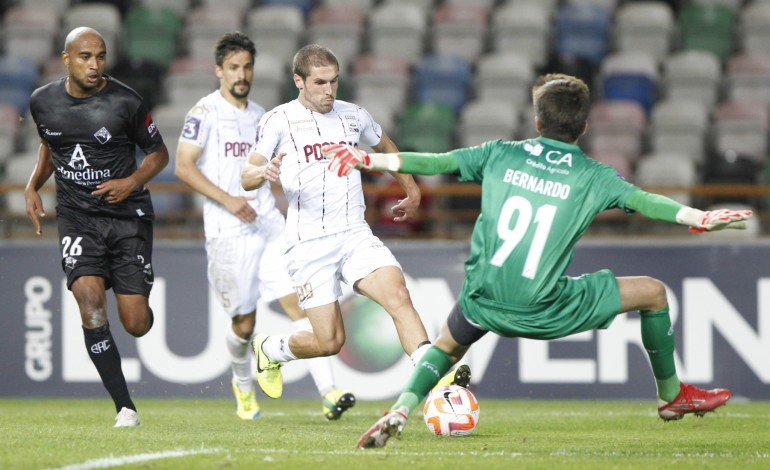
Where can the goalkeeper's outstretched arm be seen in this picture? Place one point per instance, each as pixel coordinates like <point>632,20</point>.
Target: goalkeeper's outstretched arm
<point>656,206</point>
<point>345,158</point>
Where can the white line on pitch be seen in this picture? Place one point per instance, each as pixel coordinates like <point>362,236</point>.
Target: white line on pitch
<point>108,462</point>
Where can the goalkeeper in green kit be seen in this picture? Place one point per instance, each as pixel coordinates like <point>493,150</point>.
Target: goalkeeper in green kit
<point>538,198</point>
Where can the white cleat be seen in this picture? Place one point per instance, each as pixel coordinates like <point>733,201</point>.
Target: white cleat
<point>127,418</point>
<point>386,427</point>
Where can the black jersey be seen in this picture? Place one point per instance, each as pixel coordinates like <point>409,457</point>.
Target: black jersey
<point>93,140</point>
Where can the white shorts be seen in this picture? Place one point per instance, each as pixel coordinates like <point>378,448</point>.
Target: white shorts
<point>245,268</point>
<point>317,266</point>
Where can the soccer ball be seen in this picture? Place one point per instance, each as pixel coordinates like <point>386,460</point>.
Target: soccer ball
<point>451,411</point>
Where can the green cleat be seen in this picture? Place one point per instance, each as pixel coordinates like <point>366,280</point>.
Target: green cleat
<point>269,375</point>
<point>337,402</point>
<point>246,406</point>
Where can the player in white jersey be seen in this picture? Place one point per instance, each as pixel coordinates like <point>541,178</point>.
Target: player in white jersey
<point>329,239</point>
<point>243,229</point>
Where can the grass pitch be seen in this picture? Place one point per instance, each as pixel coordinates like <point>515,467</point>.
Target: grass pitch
<point>191,434</point>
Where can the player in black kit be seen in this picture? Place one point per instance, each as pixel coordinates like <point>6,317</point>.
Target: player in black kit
<point>90,125</point>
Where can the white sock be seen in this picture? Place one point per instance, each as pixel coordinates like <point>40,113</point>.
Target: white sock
<point>417,354</point>
<point>240,360</point>
<point>276,347</point>
<point>320,367</point>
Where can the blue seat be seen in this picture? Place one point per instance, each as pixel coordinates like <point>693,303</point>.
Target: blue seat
<point>583,30</point>
<point>630,86</point>
<point>18,79</point>
<point>442,79</point>
<point>304,5</point>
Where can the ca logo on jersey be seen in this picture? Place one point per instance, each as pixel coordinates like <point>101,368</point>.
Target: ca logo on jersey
<point>78,160</point>
<point>103,135</point>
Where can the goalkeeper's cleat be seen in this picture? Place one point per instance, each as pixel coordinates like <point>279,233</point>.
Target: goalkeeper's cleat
<point>461,376</point>
<point>127,418</point>
<point>337,402</point>
<point>246,406</point>
<point>692,399</point>
<point>386,427</point>
<point>269,375</point>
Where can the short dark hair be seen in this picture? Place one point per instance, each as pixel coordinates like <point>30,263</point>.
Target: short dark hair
<point>312,55</point>
<point>562,103</point>
<point>233,42</point>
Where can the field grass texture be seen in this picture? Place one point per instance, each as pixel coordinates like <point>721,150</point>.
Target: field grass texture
<point>191,434</point>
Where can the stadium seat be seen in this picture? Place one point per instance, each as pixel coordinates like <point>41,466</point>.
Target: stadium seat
<point>59,6</point>
<point>363,5</point>
<point>169,118</point>
<point>730,167</point>
<point>549,5</point>
<point>707,27</point>
<point>426,127</point>
<point>104,17</point>
<point>269,79</point>
<point>574,65</point>
<point>9,126</point>
<point>693,75</point>
<point>30,32</point>
<point>616,126</point>
<point>742,126</point>
<point>383,79</point>
<point>524,28</point>
<point>143,76</point>
<point>680,126</point>
<point>505,76</point>
<point>442,79</point>
<point>190,78</point>
<point>276,30</point>
<point>382,112</point>
<point>206,24</point>
<point>398,29</point>
<point>609,5</point>
<point>425,5</point>
<point>304,5</point>
<point>582,30</point>
<point>18,78</point>
<point>459,30</point>
<point>667,169</point>
<point>241,5</point>
<point>487,119</point>
<point>748,77</point>
<point>152,34</point>
<point>18,168</point>
<point>646,27</point>
<point>340,28</point>
<point>755,28</point>
<point>180,7</point>
<point>630,76</point>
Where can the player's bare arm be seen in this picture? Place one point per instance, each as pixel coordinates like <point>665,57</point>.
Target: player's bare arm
<point>117,190</point>
<point>407,208</point>
<point>43,170</point>
<point>187,171</point>
<point>257,170</point>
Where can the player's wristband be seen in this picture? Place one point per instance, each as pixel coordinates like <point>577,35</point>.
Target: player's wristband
<point>385,161</point>
<point>689,216</point>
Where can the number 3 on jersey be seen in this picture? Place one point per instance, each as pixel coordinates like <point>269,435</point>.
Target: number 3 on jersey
<point>512,236</point>
<point>71,248</point>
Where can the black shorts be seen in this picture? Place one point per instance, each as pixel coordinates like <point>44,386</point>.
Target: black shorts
<point>463,331</point>
<point>118,250</point>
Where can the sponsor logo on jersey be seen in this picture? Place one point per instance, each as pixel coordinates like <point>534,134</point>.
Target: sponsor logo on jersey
<point>534,150</point>
<point>351,124</point>
<point>139,212</point>
<point>81,171</point>
<point>103,135</point>
<point>51,133</point>
<point>152,129</point>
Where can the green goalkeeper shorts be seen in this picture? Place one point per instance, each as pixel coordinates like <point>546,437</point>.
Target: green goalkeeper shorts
<point>583,303</point>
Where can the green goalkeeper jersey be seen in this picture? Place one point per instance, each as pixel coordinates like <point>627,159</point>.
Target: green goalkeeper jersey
<point>538,198</point>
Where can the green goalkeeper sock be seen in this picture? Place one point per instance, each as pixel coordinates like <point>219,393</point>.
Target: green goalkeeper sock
<point>432,366</point>
<point>658,339</point>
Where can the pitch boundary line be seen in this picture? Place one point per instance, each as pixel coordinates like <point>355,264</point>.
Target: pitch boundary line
<point>108,462</point>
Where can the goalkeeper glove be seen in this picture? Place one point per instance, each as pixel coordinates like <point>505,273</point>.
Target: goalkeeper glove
<point>344,158</point>
<point>711,221</point>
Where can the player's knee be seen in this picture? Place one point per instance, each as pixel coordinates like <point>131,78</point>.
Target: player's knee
<point>243,326</point>
<point>658,299</point>
<point>330,347</point>
<point>139,325</point>
<point>397,299</point>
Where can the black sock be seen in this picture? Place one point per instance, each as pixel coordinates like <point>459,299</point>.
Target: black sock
<point>104,354</point>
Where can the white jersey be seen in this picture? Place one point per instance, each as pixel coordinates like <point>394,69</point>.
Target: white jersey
<point>320,203</point>
<point>226,134</point>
